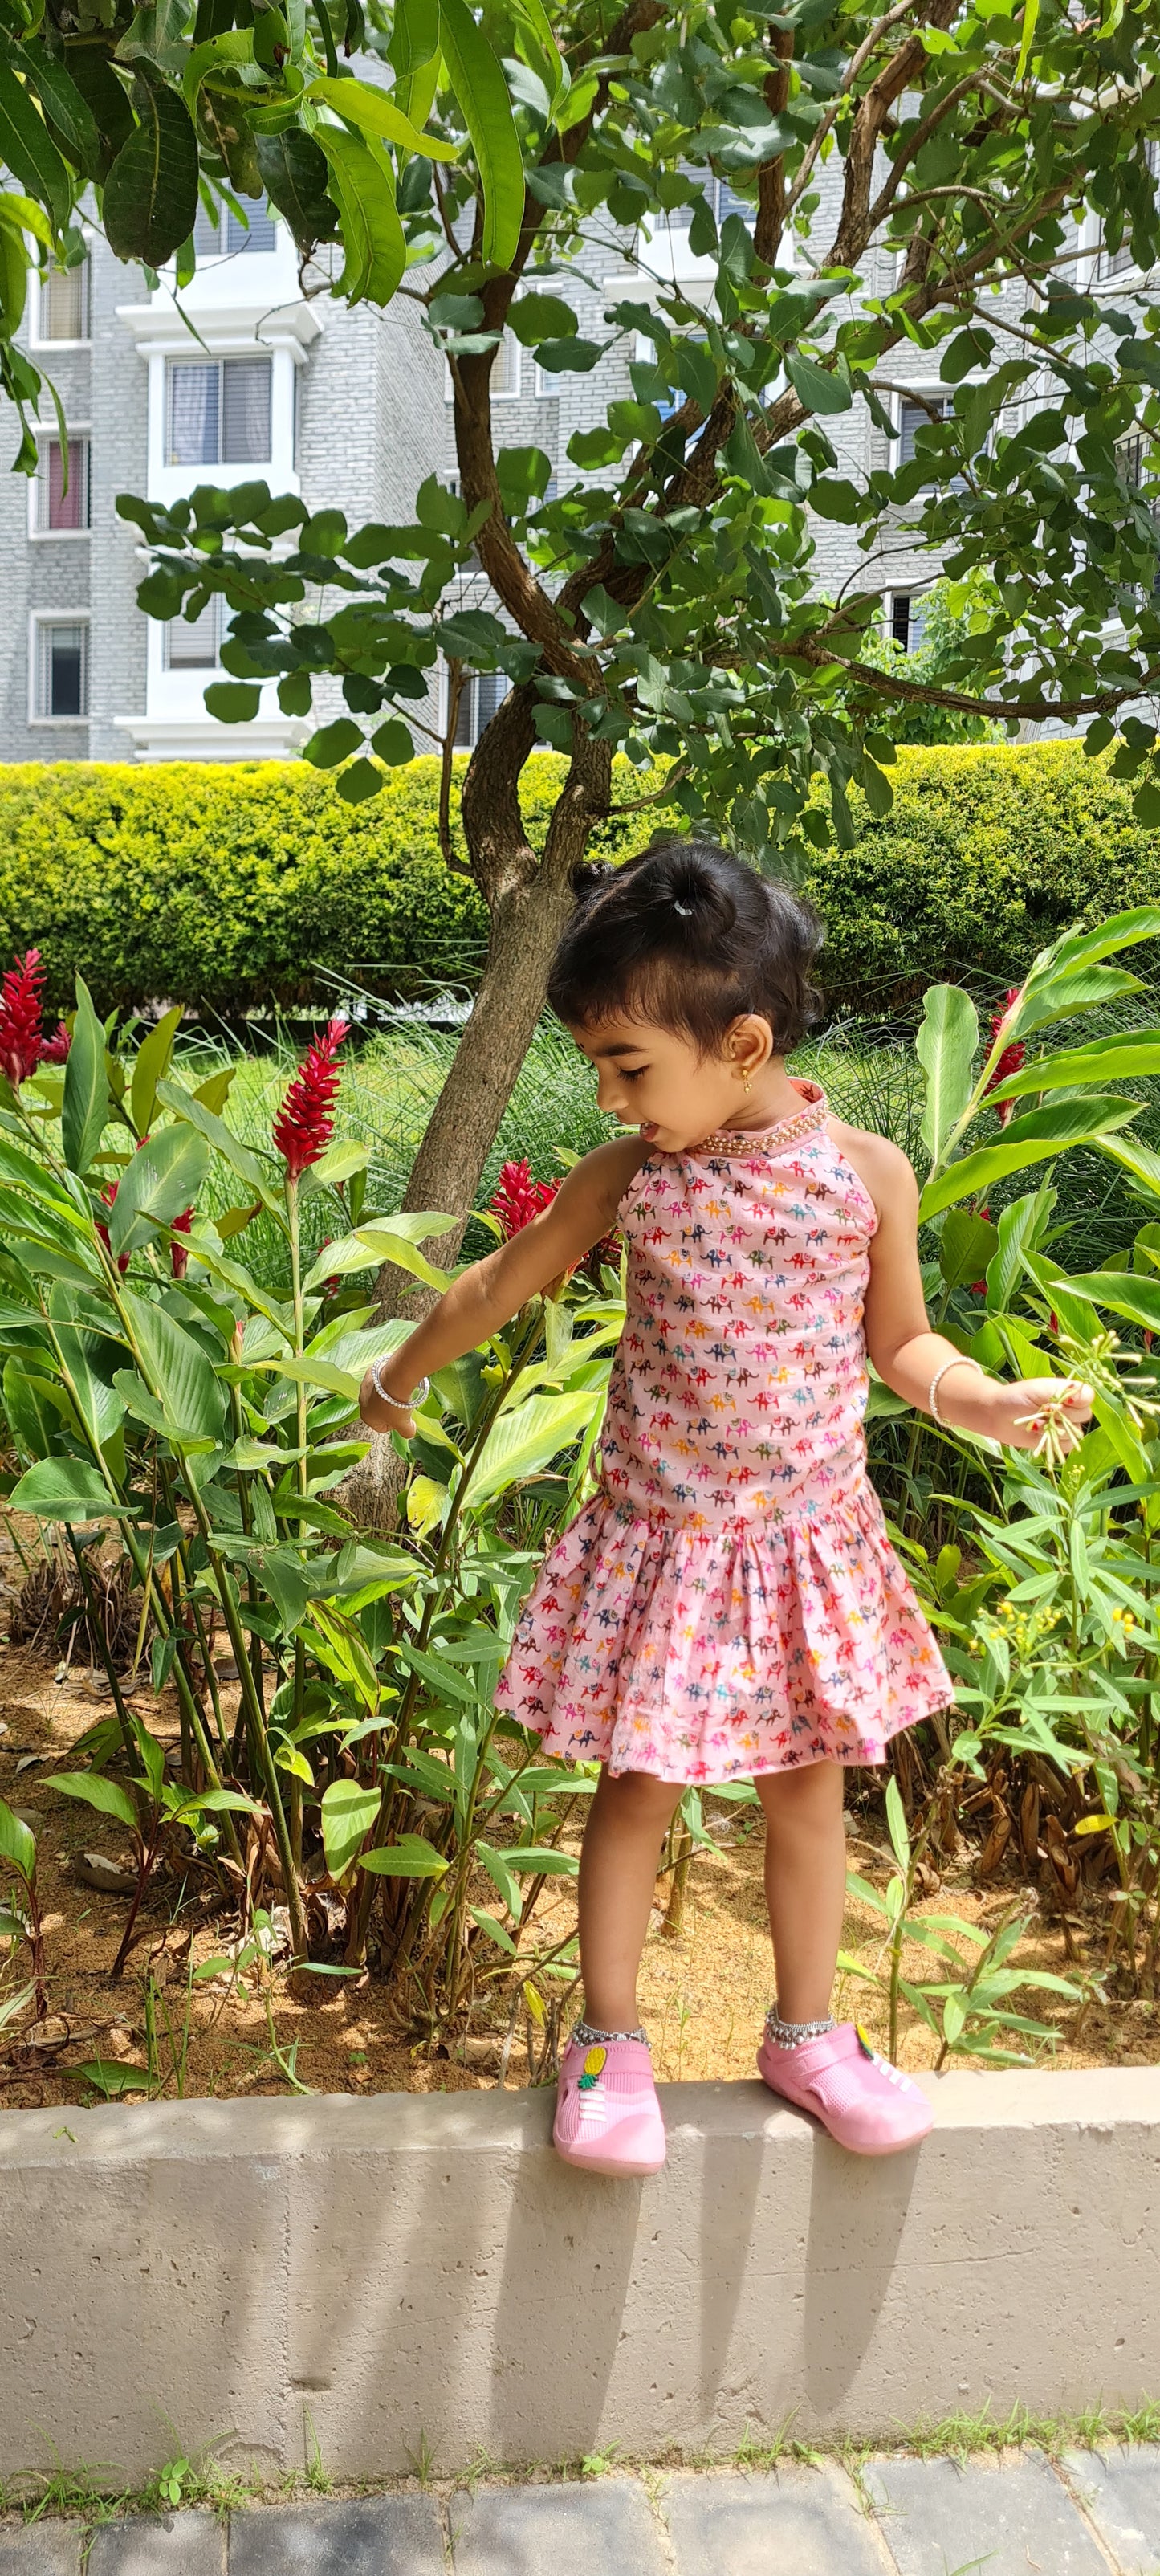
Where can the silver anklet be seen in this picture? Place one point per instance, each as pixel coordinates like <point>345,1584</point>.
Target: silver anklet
<point>586,2035</point>
<point>794,2034</point>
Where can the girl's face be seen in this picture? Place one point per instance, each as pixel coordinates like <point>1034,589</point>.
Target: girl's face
<point>656,1080</point>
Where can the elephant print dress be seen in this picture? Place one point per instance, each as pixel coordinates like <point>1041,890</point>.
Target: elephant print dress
<point>729,1603</point>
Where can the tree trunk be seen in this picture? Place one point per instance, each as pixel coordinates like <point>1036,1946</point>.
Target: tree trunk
<point>530,902</point>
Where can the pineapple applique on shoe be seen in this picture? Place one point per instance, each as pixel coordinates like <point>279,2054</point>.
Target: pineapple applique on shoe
<point>867,2104</point>
<point>608,2119</point>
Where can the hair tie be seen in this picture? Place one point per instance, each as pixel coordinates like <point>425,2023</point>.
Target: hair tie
<point>685,909</point>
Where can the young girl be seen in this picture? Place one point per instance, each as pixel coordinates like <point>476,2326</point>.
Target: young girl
<point>729,1606</point>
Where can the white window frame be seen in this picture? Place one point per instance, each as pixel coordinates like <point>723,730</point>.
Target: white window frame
<point>200,673</point>
<point>34,338</point>
<point>38,620</point>
<point>499,393</point>
<point>47,433</point>
<point>913,593</point>
<point>239,466</point>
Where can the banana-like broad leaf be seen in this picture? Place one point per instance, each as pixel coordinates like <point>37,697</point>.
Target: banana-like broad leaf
<point>523,1441</point>
<point>1129,1058</point>
<point>85,1106</point>
<point>396,1240</point>
<point>151,1066</point>
<point>162,1180</point>
<point>17,1843</point>
<point>348,1812</point>
<point>412,1856</point>
<point>1027,1140</point>
<point>1021,1227</point>
<point>966,1245</point>
<point>945,1047</point>
<point>1046,992</point>
<point>1123,1292</point>
<point>107,1796</point>
<point>255,1174</point>
<point>65,1489</point>
<point>91,1364</point>
<point>176,1370</point>
<point>33,1406</point>
<point>486,108</point>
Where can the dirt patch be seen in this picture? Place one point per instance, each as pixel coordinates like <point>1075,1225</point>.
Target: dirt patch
<point>703,1994</point>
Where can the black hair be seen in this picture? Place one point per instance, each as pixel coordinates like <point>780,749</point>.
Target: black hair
<point>691,938</point>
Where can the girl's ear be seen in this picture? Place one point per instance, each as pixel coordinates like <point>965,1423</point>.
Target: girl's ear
<point>749,1043</point>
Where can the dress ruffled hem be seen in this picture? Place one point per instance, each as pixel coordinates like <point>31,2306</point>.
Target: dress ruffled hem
<point>716,1653</point>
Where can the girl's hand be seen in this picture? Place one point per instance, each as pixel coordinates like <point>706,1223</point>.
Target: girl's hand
<point>1026,1414</point>
<point>385,1417</point>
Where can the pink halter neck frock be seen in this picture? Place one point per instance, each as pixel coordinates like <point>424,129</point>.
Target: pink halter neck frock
<point>729,1603</point>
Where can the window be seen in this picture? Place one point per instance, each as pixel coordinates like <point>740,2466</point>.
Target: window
<point>63,310</point>
<point>720,197</point>
<point>1109,263</point>
<point>505,371</point>
<point>195,646</point>
<point>912,417</point>
<point>908,619</point>
<point>61,667</point>
<point>223,234</point>
<point>62,501</point>
<point>483,692</point>
<point>217,413</point>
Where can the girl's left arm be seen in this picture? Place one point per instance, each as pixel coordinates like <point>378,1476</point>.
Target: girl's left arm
<point>904,1350</point>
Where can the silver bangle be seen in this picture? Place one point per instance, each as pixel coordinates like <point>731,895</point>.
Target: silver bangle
<point>961,1360</point>
<point>402,1404</point>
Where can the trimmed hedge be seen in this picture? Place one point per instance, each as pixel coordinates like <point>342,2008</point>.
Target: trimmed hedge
<point>230,885</point>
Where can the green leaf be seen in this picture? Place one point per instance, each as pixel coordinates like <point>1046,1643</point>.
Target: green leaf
<point>294,176</point>
<point>33,1406</point>
<point>945,1047</point>
<point>256,1175</point>
<point>1021,1226</point>
<point>151,1067</point>
<point>348,1812</point>
<point>85,1106</point>
<point>176,1371</point>
<point>362,184</point>
<point>1131,1057</point>
<point>17,1844</point>
<point>150,199</point>
<point>107,1796</point>
<point>332,743</point>
<point>541,317</point>
<point>27,148</point>
<point>966,1245</point>
<point>542,1858</point>
<point>232,701</point>
<point>374,112</point>
<point>1026,1140</point>
<point>485,106</point>
<point>110,2077</point>
<point>162,1180</point>
<point>525,1439</point>
<point>64,1489</point>
<point>69,109</point>
<point>411,1856</point>
<point>393,743</point>
<point>397,1240</point>
<point>817,389</point>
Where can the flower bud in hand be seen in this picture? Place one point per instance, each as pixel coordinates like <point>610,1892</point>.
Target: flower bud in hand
<point>1047,1415</point>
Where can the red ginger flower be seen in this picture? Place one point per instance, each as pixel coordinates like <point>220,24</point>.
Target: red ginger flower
<point>54,1050</point>
<point>21,1043</point>
<point>108,1199</point>
<point>179,1252</point>
<point>1012,1058</point>
<point>517,1198</point>
<point>305,1122</point>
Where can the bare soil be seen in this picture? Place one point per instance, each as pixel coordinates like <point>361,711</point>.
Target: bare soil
<point>703,1993</point>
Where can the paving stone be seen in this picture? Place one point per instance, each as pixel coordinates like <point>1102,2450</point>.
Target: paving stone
<point>40,2549</point>
<point>1013,2518</point>
<point>379,2536</point>
<point>1121,2490</point>
<point>160,2544</point>
<point>786,2522</point>
<point>605,2528</point>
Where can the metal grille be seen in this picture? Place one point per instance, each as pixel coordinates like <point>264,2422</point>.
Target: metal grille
<point>62,669</point>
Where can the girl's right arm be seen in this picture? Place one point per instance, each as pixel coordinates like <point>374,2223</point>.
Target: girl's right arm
<point>487,1295</point>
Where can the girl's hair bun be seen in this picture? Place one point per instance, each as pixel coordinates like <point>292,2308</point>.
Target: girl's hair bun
<point>588,877</point>
<point>697,897</point>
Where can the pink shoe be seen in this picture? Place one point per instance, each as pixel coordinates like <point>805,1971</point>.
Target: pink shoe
<point>608,2118</point>
<point>868,2105</point>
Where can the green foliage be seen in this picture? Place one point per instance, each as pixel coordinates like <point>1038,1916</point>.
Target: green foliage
<point>232,888</point>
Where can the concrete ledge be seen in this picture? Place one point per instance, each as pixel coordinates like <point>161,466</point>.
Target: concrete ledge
<point>420,2267</point>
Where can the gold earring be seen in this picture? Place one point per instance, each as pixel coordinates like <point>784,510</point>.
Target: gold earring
<point>747,1084</point>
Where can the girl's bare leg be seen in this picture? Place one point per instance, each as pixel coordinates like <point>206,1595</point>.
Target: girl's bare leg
<point>626,1826</point>
<point>805,1883</point>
